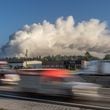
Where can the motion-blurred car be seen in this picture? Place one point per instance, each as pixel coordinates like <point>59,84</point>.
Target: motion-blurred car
<point>56,82</point>
<point>10,79</point>
<point>8,76</point>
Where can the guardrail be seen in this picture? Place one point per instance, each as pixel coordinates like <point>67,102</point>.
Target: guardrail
<point>77,105</point>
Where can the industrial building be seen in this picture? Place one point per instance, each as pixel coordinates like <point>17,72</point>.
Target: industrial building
<point>25,64</point>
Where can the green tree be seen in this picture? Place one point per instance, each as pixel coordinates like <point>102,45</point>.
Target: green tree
<point>107,57</point>
<point>87,55</point>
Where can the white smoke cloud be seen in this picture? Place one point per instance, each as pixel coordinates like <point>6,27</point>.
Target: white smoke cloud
<point>65,37</point>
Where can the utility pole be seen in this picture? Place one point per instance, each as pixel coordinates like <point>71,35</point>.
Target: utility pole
<point>26,56</point>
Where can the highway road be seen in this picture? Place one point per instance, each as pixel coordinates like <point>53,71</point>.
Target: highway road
<point>15,104</point>
<point>12,92</point>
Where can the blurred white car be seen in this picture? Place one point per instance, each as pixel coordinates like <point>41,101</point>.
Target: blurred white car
<point>10,79</point>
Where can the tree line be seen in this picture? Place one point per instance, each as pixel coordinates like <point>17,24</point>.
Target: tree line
<point>87,56</point>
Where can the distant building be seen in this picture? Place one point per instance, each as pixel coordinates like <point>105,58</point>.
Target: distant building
<point>68,64</point>
<point>53,64</point>
<point>25,64</point>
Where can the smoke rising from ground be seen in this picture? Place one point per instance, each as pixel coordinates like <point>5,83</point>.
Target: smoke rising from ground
<point>65,37</point>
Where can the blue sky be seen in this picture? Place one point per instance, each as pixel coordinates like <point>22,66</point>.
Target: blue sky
<point>16,13</point>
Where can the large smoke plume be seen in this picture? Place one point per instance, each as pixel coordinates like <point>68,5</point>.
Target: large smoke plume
<point>65,37</point>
